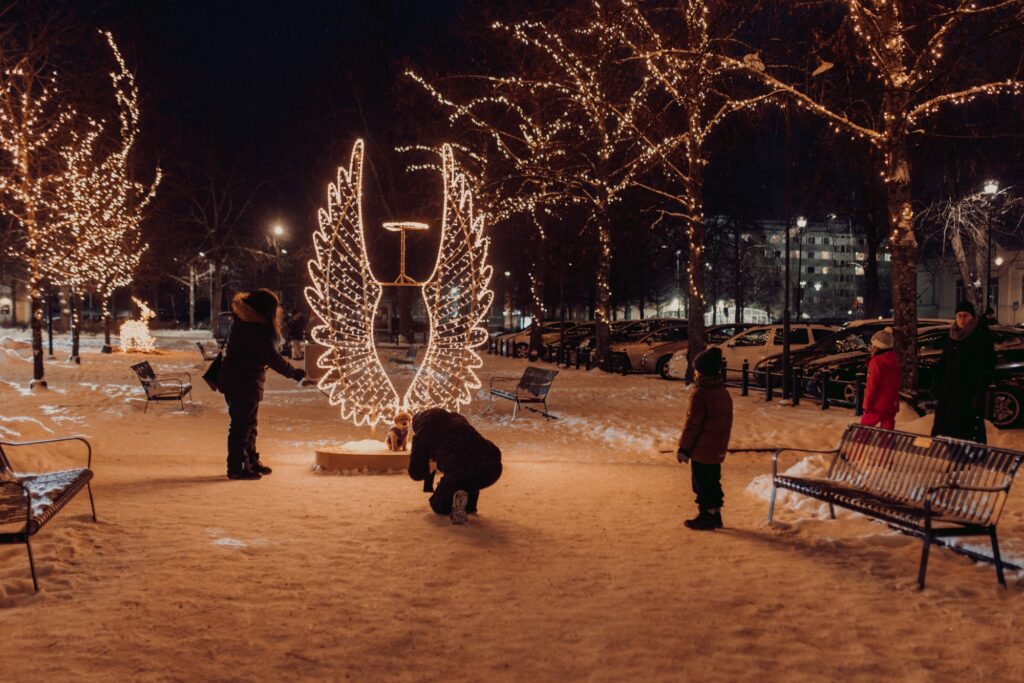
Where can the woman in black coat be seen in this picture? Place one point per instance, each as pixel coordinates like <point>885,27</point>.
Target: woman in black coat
<point>963,377</point>
<point>252,347</point>
<point>468,461</point>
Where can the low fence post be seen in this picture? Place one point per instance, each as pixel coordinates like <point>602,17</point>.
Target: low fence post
<point>798,385</point>
<point>625,364</point>
<point>588,359</point>
<point>858,395</point>
<point>578,352</point>
<point>745,378</point>
<point>769,390</point>
<point>826,389</point>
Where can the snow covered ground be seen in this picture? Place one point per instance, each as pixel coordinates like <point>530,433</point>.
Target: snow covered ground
<point>578,566</point>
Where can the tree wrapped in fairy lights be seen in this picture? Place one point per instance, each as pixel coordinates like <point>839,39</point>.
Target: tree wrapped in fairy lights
<point>345,294</point>
<point>98,207</point>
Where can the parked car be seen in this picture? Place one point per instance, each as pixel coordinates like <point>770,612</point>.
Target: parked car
<point>631,330</point>
<point>855,337</point>
<point>626,355</point>
<point>1007,402</point>
<point>657,358</point>
<point>520,341</point>
<point>573,335</point>
<point>754,344</point>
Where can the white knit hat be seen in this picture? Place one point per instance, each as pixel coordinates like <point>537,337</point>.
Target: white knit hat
<point>882,339</point>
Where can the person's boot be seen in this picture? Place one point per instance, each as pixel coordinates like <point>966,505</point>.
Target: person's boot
<point>705,521</point>
<point>243,473</point>
<point>257,465</point>
<point>459,501</point>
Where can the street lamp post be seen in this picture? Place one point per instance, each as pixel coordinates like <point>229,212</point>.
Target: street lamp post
<point>801,223</point>
<point>275,233</point>
<point>991,188</point>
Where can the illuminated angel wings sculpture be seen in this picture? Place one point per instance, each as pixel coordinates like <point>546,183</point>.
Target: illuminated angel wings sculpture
<point>345,294</point>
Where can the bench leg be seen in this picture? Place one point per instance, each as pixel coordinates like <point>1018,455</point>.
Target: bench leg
<point>831,511</point>
<point>92,504</point>
<point>996,558</point>
<point>490,402</point>
<point>771,504</point>
<point>31,564</point>
<point>515,410</point>
<point>924,559</point>
<point>146,408</point>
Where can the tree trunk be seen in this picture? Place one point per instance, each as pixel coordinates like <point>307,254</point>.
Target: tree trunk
<point>218,293</point>
<point>191,297</point>
<point>694,202</point>
<point>602,314</point>
<point>37,328</point>
<point>963,266</point>
<point>14,301</point>
<point>904,263</point>
<point>537,299</point>
<point>76,325</point>
<point>106,302</point>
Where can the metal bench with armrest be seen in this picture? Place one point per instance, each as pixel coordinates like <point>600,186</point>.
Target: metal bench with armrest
<point>532,387</point>
<point>169,386</point>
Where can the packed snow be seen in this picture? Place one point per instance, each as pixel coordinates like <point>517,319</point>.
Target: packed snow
<point>577,567</point>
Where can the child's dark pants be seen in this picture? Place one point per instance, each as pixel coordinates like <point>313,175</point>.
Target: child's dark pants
<point>707,484</point>
<point>441,501</point>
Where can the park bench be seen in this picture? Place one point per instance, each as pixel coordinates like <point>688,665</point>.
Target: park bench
<point>407,358</point>
<point>32,500</point>
<point>932,488</point>
<point>532,387</point>
<point>165,387</point>
<point>208,355</point>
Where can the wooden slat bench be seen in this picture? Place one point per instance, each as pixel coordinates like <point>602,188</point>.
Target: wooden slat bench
<point>933,488</point>
<point>171,386</point>
<point>407,358</point>
<point>32,500</point>
<point>532,387</point>
<point>208,355</point>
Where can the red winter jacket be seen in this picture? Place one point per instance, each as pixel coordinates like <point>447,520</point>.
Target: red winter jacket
<point>883,391</point>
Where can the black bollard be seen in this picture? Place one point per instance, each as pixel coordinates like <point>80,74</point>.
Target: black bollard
<point>826,388</point>
<point>858,395</point>
<point>745,378</point>
<point>769,390</point>
<point>798,385</point>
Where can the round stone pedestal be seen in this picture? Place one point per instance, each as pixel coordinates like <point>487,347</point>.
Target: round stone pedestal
<point>371,456</point>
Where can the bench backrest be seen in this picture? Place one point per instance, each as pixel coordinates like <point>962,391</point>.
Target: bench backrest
<point>12,496</point>
<point>537,381</point>
<point>144,371</point>
<point>905,467</point>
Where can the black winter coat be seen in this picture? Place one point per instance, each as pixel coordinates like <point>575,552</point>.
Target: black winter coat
<point>449,440</point>
<point>961,385</point>
<point>251,348</point>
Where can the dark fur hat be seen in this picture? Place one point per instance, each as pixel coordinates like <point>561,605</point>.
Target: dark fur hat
<point>709,362</point>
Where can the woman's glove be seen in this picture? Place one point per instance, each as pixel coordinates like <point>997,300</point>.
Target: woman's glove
<point>683,455</point>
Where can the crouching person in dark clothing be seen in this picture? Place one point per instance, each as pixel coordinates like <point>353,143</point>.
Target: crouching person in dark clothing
<point>251,348</point>
<point>468,461</point>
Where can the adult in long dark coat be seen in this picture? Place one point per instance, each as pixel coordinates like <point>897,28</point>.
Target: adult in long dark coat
<point>251,348</point>
<point>468,461</point>
<point>963,377</point>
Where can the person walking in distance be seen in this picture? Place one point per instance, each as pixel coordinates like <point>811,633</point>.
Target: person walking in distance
<point>705,439</point>
<point>963,377</point>
<point>297,333</point>
<point>252,347</point>
<point>882,395</point>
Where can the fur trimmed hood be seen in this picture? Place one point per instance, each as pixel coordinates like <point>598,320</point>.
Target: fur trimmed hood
<point>246,312</point>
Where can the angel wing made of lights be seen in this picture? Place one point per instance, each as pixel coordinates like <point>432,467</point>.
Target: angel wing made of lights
<point>344,296</point>
<point>457,297</point>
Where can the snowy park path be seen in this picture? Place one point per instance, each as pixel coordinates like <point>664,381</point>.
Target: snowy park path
<point>577,567</point>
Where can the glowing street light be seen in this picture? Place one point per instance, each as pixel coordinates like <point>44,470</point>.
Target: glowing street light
<point>991,188</point>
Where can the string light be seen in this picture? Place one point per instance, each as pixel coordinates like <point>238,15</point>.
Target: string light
<point>135,336</point>
<point>345,295</point>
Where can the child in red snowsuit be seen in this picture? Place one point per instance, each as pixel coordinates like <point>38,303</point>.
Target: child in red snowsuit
<point>882,396</point>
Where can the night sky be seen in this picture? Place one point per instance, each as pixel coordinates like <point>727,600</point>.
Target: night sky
<point>283,89</point>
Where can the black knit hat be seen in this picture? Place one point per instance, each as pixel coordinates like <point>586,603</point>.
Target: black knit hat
<point>264,302</point>
<point>709,362</point>
<point>965,307</point>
